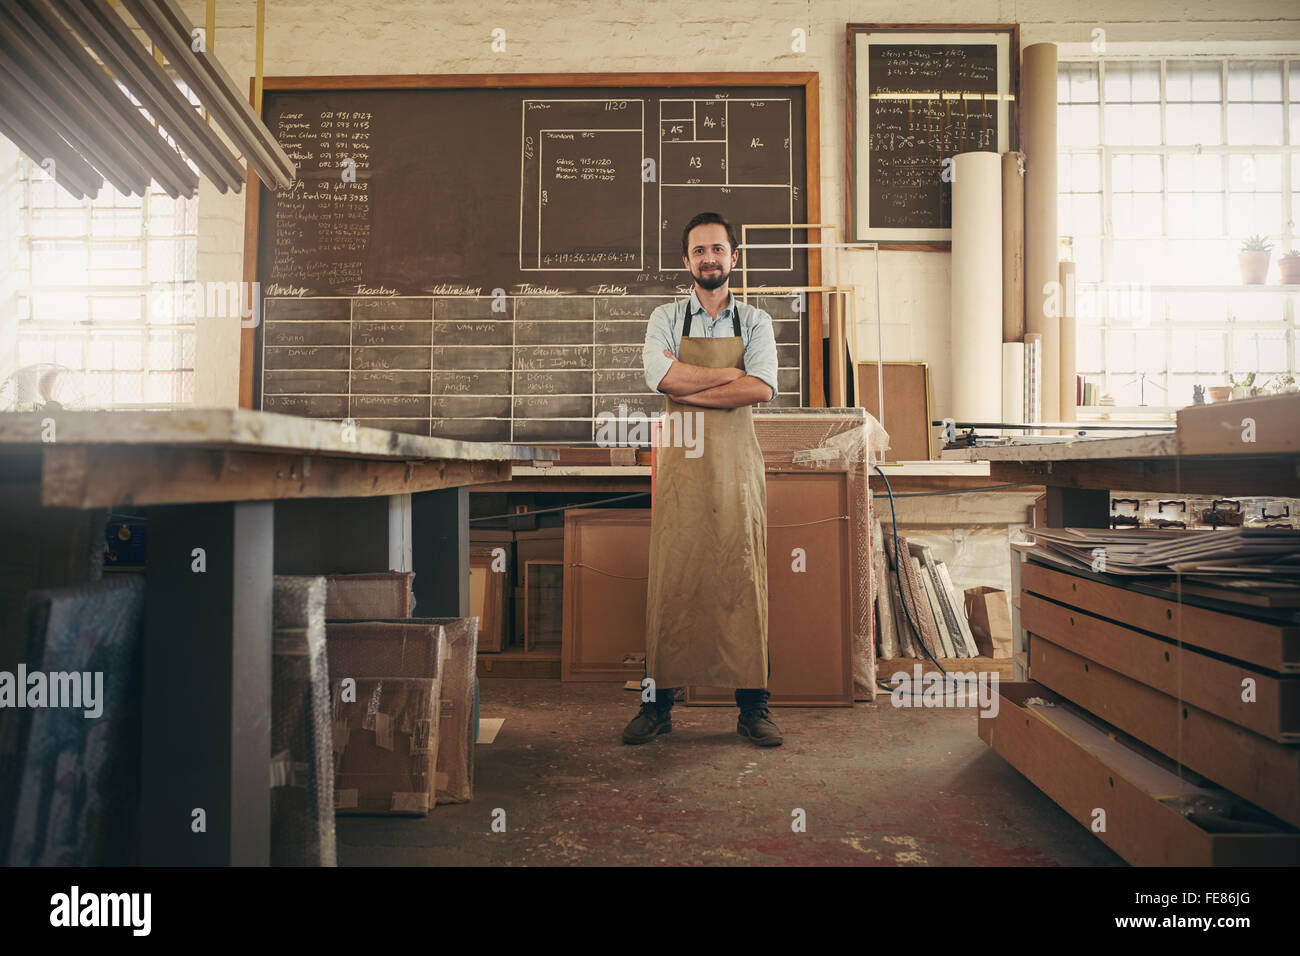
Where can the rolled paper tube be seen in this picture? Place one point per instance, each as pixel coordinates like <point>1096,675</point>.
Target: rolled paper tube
<point>1038,114</point>
<point>1013,247</point>
<point>977,287</point>
<point>1013,383</point>
<point>1068,331</point>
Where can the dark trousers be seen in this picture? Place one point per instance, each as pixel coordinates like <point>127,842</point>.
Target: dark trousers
<point>747,698</point>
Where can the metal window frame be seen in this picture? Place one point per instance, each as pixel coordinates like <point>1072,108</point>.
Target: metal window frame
<point>1105,152</point>
<point>34,326</point>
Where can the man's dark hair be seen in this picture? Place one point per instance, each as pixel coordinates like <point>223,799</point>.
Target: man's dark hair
<point>706,217</point>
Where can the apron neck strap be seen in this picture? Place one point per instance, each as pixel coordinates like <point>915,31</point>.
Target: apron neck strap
<point>735,318</point>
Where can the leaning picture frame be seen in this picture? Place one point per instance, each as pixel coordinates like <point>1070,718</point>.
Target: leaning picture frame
<point>919,94</point>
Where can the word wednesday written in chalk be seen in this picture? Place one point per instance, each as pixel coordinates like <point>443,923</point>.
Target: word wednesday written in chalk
<point>102,909</point>
<point>56,689</point>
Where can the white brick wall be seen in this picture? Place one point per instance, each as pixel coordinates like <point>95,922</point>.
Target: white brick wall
<point>323,37</point>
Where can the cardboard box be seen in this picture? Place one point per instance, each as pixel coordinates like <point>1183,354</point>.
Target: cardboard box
<point>386,596</point>
<point>990,620</point>
<point>384,649</point>
<point>385,745</point>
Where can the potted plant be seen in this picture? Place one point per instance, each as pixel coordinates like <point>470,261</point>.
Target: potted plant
<point>1289,266</point>
<point>1242,387</point>
<point>1253,259</point>
<point>1219,393</point>
<point>1282,383</point>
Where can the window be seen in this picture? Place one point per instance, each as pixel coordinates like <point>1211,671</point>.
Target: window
<point>93,294</point>
<point>1166,165</point>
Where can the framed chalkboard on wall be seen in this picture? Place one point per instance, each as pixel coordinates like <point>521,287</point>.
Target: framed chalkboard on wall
<point>477,257</point>
<point>919,94</point>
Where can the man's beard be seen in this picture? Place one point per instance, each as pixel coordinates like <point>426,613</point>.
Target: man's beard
<point>707,281</point>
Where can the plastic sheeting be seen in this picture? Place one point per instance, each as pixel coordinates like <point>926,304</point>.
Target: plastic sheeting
<point>70,784</point>
<point>844,440</point>
<point>302,769</point>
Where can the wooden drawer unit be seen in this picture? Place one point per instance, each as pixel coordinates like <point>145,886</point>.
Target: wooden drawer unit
<point>1210,683</point>
<point>1082,767</point>
<point>1272,647</point>
<point>1253,767</point>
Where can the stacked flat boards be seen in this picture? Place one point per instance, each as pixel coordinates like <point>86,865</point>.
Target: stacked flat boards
<point>480,263</point>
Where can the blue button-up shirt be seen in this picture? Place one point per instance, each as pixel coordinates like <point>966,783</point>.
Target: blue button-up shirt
<point>665,332</point>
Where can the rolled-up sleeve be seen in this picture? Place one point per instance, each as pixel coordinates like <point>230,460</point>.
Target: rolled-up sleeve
<point>760,350</point>
<point>658,336</point>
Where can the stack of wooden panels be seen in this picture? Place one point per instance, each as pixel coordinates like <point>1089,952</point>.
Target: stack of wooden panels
<point>1211,691</point>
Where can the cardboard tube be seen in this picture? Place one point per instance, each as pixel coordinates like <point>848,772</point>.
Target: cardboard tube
<point>1013,384</point>
<point>977,287</point>
<point>1069,393</point>
<point>839,396</point>
<point>1038,119</point>
<point>1033,377</point>
<point>1013,247</point>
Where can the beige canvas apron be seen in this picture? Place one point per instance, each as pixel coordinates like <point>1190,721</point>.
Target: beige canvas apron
<point>706,604</point>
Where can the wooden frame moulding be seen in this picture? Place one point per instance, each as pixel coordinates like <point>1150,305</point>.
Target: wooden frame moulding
<point>850,100</point>
<point>530,637</point>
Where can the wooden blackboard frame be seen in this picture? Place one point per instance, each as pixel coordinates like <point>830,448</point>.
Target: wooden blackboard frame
<point>851,105</point>
<point>812,146</point>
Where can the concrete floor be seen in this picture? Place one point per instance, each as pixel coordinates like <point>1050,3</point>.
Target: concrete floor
<point>879,785</point>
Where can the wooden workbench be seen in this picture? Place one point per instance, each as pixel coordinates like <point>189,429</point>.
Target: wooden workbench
<point>1249,447</point>
<point>211,480</point>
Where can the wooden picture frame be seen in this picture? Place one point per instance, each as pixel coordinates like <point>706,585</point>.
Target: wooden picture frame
<point>860,40</point>
<point>907,391</point>
<point>543,614</point>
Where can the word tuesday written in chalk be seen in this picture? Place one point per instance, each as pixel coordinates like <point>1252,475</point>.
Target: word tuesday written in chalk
<point>56,689</point>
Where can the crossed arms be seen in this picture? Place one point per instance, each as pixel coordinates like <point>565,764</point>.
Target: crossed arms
<point>712,387</point>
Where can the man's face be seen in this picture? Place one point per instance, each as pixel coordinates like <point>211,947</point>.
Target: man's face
<point>709,257</point>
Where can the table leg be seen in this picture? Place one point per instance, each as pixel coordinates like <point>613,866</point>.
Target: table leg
<point>440,552</point>
<point>207,685</point>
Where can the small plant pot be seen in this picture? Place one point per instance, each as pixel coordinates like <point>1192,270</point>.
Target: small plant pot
<point>1218,393</point>
<point>1254,266</point>
<point>1241,391</point>
<point>1289,267</point>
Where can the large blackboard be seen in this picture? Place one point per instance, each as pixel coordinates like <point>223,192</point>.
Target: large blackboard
<point>481,263</point>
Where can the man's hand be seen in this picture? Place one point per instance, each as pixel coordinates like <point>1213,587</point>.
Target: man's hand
<point>745,390</point>
<point>686,379</point>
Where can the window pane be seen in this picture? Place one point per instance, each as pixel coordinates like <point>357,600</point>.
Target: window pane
<point>1195,214</point>
<point>1256,124</point>
<point>1088,352</point>
<point>1139,260</point>
<point>1188,124</point>
<point>1137,125</point>
<point>1255,214</point>
<point>1255,82</point>
<point>1077,125</point>
<point>1136,214</point>
<point>1202,262</point>
<point>1133,82</point>
<point>1195,172</point>
<point>1196,351</point>
<point>1188,81</point>
<point>1076,83</point>
<point>1261,172</point>
<point>1136,172</point>
<point>1257,350</point>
